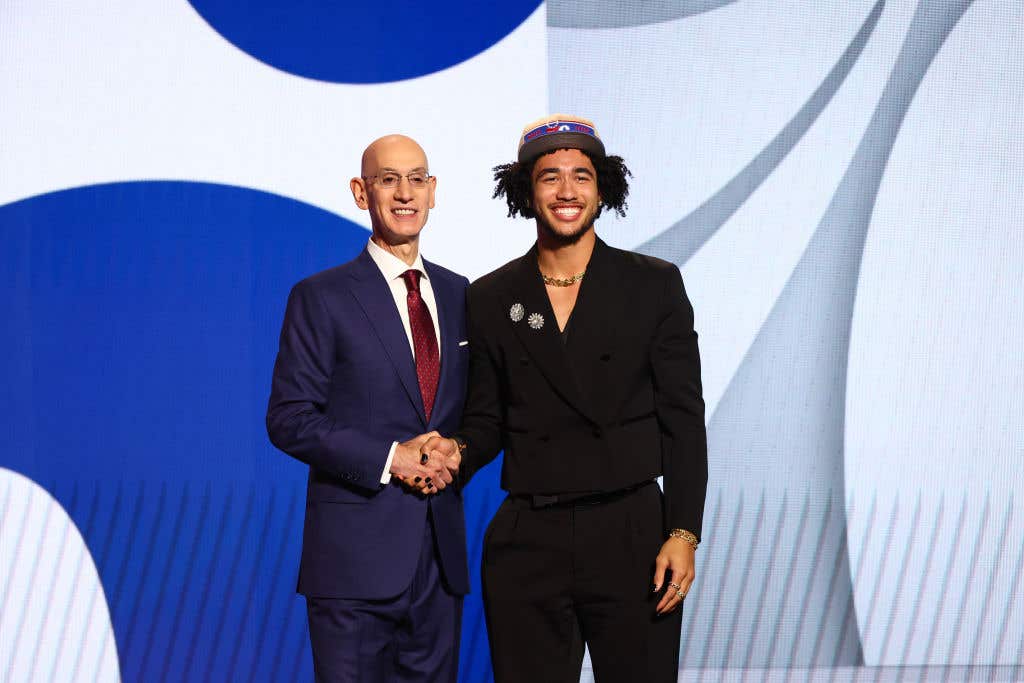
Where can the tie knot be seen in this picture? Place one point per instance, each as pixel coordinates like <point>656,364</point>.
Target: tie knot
<point>412,279</point>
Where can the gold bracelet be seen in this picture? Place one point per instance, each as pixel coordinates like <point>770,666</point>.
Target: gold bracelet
<point>684,535</point>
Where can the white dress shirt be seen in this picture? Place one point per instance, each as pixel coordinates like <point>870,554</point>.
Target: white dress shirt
<point>392,267</point>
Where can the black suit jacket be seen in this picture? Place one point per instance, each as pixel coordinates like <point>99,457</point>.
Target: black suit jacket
<point>618,404</point>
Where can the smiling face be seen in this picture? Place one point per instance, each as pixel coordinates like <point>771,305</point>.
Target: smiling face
<point>565,195</point>
<point>397,214</point>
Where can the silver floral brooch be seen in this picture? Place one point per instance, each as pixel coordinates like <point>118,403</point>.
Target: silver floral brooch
<point>516,312</point>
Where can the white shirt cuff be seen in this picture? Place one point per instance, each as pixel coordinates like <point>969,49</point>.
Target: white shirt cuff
<point>385,476</point>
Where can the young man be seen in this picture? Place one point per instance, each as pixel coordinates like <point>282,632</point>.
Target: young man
<point>584,369</point>
<point>369,366</point>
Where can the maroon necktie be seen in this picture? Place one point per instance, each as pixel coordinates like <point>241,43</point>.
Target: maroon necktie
<point>424,342</point>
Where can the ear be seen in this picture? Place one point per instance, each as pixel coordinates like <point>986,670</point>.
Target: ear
<point>358,187</point>
<point>431,188</point>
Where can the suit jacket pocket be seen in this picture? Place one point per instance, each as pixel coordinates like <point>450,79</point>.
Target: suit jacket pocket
<point>328,489</point>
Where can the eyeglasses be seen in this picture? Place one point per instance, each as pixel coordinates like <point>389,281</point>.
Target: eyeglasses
<point>390,180</point>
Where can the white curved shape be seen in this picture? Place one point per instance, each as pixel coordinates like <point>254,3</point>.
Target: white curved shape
<point>54,621</point>
<point>934,407</point>
<point>689,102</point>
<point>112,90</point>
<point>736,277</point>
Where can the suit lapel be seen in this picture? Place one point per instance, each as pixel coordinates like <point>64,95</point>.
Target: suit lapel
<point>445,299</point>
<point>544,344</point>
<point>601,308</point>
<point>374,296</point>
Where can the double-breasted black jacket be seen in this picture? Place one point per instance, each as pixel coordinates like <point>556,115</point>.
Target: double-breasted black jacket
<point>618,403</point>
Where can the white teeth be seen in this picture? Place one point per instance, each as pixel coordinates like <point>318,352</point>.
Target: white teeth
<point>404,212</point>
<point>568,211</point>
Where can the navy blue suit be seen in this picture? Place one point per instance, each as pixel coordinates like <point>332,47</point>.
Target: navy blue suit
<point>345,388</point>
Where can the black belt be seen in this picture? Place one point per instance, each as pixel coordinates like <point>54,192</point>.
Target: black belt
<point>543,501</point>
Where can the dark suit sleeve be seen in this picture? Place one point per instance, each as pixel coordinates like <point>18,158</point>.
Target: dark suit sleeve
<point>481,419</point>
<point>680,407</point>
<point>297,422</point>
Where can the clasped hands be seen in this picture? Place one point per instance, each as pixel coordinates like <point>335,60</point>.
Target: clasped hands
<point>426,463</point>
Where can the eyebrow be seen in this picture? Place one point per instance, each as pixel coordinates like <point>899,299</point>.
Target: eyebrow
<point>578,169</point>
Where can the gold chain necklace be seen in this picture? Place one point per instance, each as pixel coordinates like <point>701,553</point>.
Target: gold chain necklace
<point>562,282</point>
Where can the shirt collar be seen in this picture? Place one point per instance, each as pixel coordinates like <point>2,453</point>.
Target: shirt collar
<point>390,265</point>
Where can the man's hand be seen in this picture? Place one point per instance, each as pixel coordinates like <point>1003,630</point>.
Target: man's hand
<point>676,559</point>
<point>448,450</point>
<point>416,468</point>
<point>438,451</point>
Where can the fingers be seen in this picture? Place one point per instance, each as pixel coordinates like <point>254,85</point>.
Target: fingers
<point>444,458</point>
<point>433,466</point>
<point>430,484</point>
<point>674,566</point>
<point>453,461</point>
<point>442,445</point>
<point>409,464</point>
<point>660,565</point>
<point>437,472</point>
<point>675,591</point>
<point>445,450</point>
<point>424,438</point>
<point>430,476</point>
<point>669,598</point>
<point>420,485</point>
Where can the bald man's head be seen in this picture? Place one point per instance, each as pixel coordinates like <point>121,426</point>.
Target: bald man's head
<point>395,143</point>
<point>396,187</point>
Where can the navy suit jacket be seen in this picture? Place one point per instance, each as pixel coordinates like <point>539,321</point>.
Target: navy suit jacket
<point>344,389</point>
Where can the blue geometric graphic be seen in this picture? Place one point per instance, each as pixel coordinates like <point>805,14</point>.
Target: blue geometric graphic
<point>142,321</point>
<point>372,42</point>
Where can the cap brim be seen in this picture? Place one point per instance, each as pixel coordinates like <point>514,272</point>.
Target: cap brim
<point>549,143</point>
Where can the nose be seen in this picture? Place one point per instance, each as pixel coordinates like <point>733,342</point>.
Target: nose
<point>403,190</point>
<point>566,188</point>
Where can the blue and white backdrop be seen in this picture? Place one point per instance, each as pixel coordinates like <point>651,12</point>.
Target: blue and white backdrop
<point>840,183</point>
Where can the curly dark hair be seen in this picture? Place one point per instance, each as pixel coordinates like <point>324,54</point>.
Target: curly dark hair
<point>515,184</point>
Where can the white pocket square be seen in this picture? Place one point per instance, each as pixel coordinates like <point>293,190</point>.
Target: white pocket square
<point>464,343</point>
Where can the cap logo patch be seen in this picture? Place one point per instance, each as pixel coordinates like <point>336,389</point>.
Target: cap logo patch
<point>559,127</point>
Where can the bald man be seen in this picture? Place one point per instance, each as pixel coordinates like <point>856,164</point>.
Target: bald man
<point>372,361</point>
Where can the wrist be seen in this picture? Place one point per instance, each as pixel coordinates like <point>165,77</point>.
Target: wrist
<point>686,536</point>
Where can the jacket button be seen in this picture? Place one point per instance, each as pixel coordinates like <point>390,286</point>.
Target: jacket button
<point>598,433</point>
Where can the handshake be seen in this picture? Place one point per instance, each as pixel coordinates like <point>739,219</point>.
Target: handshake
<point>426,463</point>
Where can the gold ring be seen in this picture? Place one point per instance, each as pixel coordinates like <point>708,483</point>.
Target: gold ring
<point>674,585</point>
<point>680,594</point>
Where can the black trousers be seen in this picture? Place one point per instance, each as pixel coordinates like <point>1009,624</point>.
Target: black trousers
<point>560,576</point>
